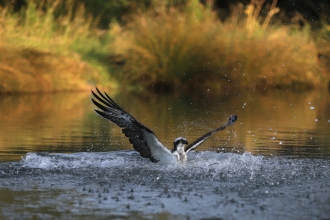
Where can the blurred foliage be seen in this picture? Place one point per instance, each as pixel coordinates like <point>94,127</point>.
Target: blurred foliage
<point>322,39</point>
<point>165,44</point>
<point>30,71</point>
<point>41,51</point>
<point>103,11</point>
<point>189,47</point>
<point>295,11</point>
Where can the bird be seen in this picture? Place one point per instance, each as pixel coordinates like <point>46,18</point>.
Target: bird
<point>143,139</point>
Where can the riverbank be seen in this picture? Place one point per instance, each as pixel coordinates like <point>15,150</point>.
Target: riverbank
<point>29,71</point>
<point>162,48</point>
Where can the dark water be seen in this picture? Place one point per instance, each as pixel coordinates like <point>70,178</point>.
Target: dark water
<point>59,160</point>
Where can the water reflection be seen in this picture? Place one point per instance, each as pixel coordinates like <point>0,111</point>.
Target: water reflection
<point>270,122</point>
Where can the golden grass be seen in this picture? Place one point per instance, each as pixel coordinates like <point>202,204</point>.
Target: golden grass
<point>191,47</point>
<point>166,46</point>
<point>162,47</point>
<point>275,58</point>
<point>42,52</point>
<point>27,70</point>
<point>38,27</point>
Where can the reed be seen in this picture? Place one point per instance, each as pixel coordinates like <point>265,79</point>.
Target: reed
<point>42,50</point>
<point>165,46</point>
<point>169,44</point>
<point>271,58</point>
<point>39,26</point>
<point>170,47</point>
<point>30,71</point>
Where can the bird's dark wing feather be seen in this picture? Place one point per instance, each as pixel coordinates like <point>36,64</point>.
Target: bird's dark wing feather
<point>203,138</point>
<point>142,138</point>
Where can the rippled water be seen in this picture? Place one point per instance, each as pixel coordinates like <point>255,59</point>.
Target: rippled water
<point>122,185</point>
<point>59,160</point>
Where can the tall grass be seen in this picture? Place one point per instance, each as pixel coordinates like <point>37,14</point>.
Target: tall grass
<point>260,55</point>
<point>43,51</point>
<point>40,27</point>
<point>188,47</point>
<point>30,71</point>
<point>166,45</point>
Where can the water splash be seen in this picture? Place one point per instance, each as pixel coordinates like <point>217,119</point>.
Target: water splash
<point>226,185</point>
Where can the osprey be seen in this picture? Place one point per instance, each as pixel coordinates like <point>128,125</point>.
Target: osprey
<point>142,138</point>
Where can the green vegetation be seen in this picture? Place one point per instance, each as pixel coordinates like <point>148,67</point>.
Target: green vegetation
<point>56,46</point>
<point>29,70</point>
<point>40,52</point>
<point>176,48</point>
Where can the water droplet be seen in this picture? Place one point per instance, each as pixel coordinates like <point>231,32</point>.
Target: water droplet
<point>281,142</point>
<point>312,107</point>
<point>316,120</point>
<point>273,138</point>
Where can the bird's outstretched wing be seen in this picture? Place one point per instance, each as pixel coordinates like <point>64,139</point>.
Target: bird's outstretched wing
<point>143,139</point>
<point>203,138</point>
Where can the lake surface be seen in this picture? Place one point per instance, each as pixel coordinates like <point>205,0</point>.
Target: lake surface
<point>58,159</point>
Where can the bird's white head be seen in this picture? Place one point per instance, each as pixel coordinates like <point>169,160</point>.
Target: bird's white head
<point>179,144</point>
